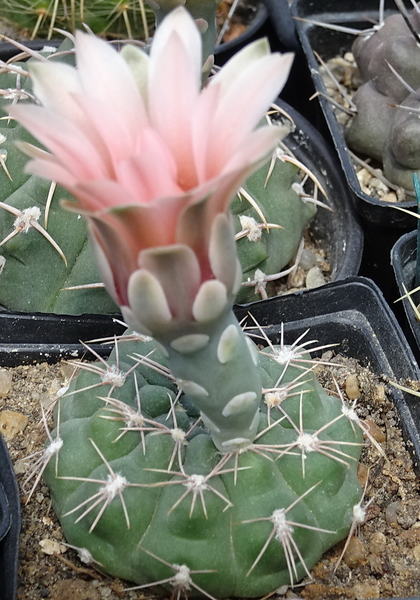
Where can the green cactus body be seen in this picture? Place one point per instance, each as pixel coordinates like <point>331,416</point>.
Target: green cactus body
<point>269,249</point>
<point>388,61</point>
<point>34,275</point>
<point>137,481</point>
<point>114,18</point>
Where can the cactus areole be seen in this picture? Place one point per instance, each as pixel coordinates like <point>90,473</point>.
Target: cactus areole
<point>191,460</point>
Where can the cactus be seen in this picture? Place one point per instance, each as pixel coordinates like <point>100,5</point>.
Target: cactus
<point>27,286</point>
<point>190,460</point>
<point>141,489</point>
<point>386,124</point>
<point>266,246</point>
<point>113,18</point>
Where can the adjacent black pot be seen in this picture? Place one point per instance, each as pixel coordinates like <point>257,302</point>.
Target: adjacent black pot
<point>382,224</point>
<point>358,14</point>
<point>9,525</point>
<point>403,259</point>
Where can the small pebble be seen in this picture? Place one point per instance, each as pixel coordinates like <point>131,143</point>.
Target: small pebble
<point>308,259</point>
<point>352,387</point>
<point>416,553</point>
<point>314,278</point>
<point>355,554</point>
<point>375,431</point>
<point>379,394</point>
<point>391,513</point>
<point>12,423</point>
<point>390,197</point>
<point>377,543</point>
<point>52,547</point>
<point>362,474</point>
<point>5,382</point>
<point>366,590</point>
<point>364,177</point>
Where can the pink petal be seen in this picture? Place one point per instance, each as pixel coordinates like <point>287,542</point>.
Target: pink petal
<point>63,138</point>
<point>180,21</point>
<point>104,75</point>
<point>138,176</point>
<point>54,84</point>
<point>174,78</point>
<point>236,116</point>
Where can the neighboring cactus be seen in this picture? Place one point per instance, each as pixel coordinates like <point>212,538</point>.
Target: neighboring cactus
<point>265,248</point>
<point>192,461</point>
<point>384,127</point>
<point>34,274</point>
<point>26,285</point>
<point>113,18</point>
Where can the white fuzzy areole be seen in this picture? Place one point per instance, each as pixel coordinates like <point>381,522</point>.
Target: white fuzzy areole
<point>192,388</point>
<point>187,344</point>
<point>228,343</point>
<point>239,403</point>
<point>210,301</point>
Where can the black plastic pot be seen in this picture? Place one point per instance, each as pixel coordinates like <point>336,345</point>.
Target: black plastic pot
<point>258,28</point>
<point>382,224</point>
<point>358,14</point>
<point>403,259</point>
<point>9,525</point>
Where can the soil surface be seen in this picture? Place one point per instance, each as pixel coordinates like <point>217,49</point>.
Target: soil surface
<point>382,559</point>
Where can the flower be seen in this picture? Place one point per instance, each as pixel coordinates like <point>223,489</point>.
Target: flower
<point>153,160</point>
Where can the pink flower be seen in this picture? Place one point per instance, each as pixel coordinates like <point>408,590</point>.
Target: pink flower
<point>153,160</point>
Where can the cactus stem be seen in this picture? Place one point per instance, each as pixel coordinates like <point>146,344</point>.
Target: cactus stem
<point>294,354</point>
<point>283,532</point>
<point>3,157</point>
<point>299,189</point>
<point>42,457</point>
<point>113,486</point>
<point>304,168</point>
<point>181,581</point>
<point>274,396</point>
<point>252,229</point>
<point>156,366</point>
<point>133,419</point>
